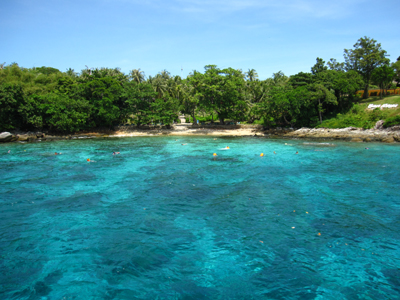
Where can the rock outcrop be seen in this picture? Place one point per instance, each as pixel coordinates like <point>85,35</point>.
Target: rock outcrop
<point>379,124</point>
<point>353,134</point>
<point>6,137</point>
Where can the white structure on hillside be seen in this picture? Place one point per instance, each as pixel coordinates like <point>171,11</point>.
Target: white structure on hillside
<point>182,119</point>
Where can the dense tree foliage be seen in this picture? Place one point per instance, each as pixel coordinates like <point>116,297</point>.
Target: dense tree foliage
<point>366,56</point>
<point>45,98</point>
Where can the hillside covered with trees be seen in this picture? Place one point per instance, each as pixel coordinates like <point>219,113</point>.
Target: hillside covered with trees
<point>47,99</point>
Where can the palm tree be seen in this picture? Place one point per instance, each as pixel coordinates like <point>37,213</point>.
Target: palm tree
<point>252,75</point>
<point>137,75</point>
<point>164,74</point>
<point>159,85</point>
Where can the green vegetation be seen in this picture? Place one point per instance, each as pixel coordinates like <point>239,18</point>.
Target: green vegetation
<point>47,99</point>
<point>360,116</point>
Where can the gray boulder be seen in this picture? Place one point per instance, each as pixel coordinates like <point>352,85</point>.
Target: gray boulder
<point>379,124</point>
<point>5,137</point>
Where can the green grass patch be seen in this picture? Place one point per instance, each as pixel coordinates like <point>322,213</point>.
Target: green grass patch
<point>361,117</point>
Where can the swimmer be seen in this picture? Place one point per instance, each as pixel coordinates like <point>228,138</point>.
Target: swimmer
<point>115,153</point>
<point>365,148</point>
<point>184,144</point>
<point>227,147</point>
<point>9,151</point>
<point>274,152</point>
<point>297,152</point>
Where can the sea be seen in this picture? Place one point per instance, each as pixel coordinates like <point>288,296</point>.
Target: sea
<point>166,219</point>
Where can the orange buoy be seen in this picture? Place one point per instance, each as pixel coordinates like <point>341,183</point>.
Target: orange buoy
<point>88,159</point>
<point>215,154</point>
<point>262,154</point>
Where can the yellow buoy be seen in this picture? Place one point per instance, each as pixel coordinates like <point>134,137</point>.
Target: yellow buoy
<point>262,154</point>
<point>215,154</point>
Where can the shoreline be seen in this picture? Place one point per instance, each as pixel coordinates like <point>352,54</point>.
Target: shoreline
<point>352,134</point>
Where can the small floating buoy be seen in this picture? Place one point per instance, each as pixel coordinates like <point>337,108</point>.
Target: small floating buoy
<point>215,154</point>
<point>262,154</point>
<point>88,159</point>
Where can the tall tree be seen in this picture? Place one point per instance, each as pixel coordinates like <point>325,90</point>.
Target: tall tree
<point>396,67</point>
<point>251,75</point>
<point>137,75</point>
<point>334,65</point>
<point>139,100</point>
<point>364,58</point>
<point>383,76</point>
<point>319,66</point>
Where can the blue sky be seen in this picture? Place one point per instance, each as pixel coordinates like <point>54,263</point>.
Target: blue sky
<point>153,35</point>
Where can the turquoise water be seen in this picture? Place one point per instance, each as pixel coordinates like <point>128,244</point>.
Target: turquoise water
<point>166,221</point>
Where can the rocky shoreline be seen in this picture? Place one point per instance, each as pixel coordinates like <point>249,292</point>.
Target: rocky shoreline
<point>388,135</point>
<point>352,134</point>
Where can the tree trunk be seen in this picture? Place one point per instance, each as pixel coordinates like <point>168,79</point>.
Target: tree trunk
<point>381,95</point>
<point>287,122</point>
<point>194,119</point>
<point>212,118</point>
<point>221,120</point>
<point>319,110</point>
<point>365,96</point>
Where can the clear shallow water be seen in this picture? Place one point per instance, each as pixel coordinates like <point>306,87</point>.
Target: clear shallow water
<point>166,221</point>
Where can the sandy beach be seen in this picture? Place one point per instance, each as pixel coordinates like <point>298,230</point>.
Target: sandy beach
<point>388,135</point>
